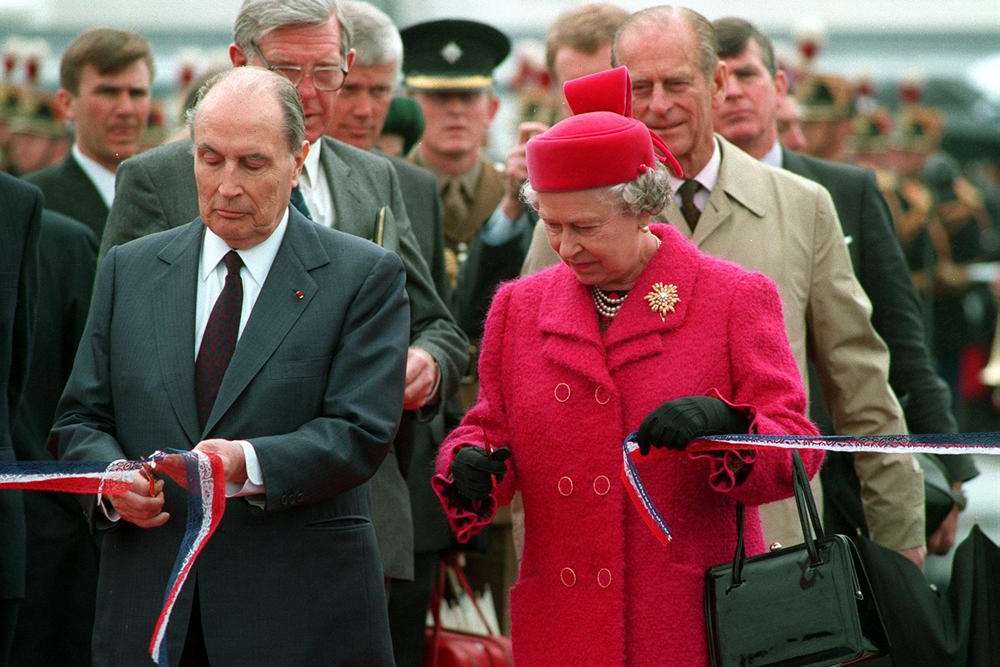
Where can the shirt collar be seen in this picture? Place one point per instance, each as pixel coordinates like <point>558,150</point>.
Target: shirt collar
<point>311,166</point>
<point>102,177</point>
<point>257,259</point>
<point>709,174</point>
<point>773,157</point>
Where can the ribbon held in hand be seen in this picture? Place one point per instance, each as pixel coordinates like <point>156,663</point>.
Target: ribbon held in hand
<point>198,473</point>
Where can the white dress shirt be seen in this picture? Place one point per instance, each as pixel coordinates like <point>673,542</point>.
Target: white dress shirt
<point>102,177</point>
<point>707,177</point>
<point>773,157</point>
<point>315,188</point>
<point>211,279</point>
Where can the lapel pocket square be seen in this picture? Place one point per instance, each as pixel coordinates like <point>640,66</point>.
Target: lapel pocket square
<point>848,239</point>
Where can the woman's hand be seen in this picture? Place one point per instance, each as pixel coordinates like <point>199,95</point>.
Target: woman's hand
<point>676,423</point>
<point>473,470</point>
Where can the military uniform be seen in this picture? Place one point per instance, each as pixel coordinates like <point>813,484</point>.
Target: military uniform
<point>458,56</point>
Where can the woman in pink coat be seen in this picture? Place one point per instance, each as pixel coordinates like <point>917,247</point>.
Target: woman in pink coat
<point>636,329</point>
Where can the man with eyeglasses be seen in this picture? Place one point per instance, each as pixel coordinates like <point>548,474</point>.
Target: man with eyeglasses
<point>411,541</point>
<point>341,187</point>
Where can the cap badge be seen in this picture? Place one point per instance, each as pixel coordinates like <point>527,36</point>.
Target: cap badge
<point>662,298</point>
<point>451,53</point>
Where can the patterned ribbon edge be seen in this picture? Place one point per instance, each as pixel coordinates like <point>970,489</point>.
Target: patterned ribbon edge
<point>930,443</point>
<point>200,474</point>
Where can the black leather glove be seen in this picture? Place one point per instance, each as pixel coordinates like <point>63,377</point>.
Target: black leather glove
<point>675,423</point>
<point>473,471</point>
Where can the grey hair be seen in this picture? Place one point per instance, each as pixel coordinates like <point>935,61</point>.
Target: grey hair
<point>376,38</point>
<point>252,82</point>
<point>647,194</point>
<point>656,17</point>
<point>259,17</point>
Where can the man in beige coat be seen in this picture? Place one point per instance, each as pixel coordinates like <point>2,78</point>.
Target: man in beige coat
<point>785,227</point>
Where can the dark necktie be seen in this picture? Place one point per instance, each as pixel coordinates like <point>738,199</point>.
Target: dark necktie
<point>299,202</point>
<point>219,340</point>
<point>687,191</point>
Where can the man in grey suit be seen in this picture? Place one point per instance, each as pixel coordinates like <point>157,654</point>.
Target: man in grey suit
<point>342,187</point>
<point>276,344</point>
<point>358,118</point>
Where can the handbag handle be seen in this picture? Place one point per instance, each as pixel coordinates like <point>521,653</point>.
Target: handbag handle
<point>448,563</point>
<point>805,504</point>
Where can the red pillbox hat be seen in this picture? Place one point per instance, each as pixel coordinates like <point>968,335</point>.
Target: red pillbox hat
<point>599,145</point>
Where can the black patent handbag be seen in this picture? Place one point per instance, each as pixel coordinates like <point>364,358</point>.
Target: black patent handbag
<point>805,605</point>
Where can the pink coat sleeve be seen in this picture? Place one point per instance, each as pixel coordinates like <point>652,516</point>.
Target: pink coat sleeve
<point>484,425</point>
<point>766,384</point>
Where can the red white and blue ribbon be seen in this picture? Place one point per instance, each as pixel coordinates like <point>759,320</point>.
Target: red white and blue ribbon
<point>198,473</point>
<point>932,443</point>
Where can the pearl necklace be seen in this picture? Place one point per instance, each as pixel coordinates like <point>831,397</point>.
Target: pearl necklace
<point>607,306</point>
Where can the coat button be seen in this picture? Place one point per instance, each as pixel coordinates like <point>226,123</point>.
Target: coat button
<point>601,395</point>
<point>568,577</point>
<point>602,485</point>
<point>604,577</point>
<point>562,392</point>
<point>565,486</point>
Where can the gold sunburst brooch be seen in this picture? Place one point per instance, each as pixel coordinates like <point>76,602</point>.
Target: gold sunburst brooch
<point>662,298</point>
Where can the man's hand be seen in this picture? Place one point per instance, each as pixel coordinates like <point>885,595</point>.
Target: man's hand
<point>517,170</point>
<point>916,554</point>
<point>139,507</point>
<point>422,375</point>
<point>234,465</point>
<point>943,539</point>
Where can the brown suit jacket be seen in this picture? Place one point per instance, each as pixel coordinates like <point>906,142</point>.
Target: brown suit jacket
<point>785,226</point>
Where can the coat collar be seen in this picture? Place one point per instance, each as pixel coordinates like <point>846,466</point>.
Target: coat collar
<point>567,316</point>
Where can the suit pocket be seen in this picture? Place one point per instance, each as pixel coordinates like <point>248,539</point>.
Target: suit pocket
<point>291,369</point>
<point>340,524</point>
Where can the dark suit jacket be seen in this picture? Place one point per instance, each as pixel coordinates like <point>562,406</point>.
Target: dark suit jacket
<point>881,270</point>
<point>68,190</point>
<point>21,207</point>
<point>315,385</point>
<point>420,438</point>
<point>156,190</point>
<point>55,619</point>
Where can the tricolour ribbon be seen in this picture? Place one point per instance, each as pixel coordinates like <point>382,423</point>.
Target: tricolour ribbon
<point>931,443</point>
<point>200,474</point>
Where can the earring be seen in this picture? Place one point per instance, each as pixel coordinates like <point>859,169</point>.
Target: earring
<point>644,228</point>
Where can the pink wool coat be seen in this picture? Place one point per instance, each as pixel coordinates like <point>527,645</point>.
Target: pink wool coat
<point>595,587</point>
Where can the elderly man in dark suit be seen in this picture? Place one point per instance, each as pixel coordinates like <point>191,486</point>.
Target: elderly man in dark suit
<point>749,118</point>
<point>22,208</point>
<point>347,189</point>
<point>104,80</point>
<point>280,346</point>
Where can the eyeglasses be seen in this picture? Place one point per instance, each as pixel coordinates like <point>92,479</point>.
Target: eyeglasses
<point>328,78</point>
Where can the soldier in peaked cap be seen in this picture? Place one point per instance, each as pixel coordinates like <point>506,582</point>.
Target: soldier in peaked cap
<point>448,69</point>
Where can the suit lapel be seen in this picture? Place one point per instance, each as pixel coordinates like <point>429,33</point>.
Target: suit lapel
<point>276,310</point>
<point>85,195</point>
<point>349,209</point>
<point>176,293</point>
